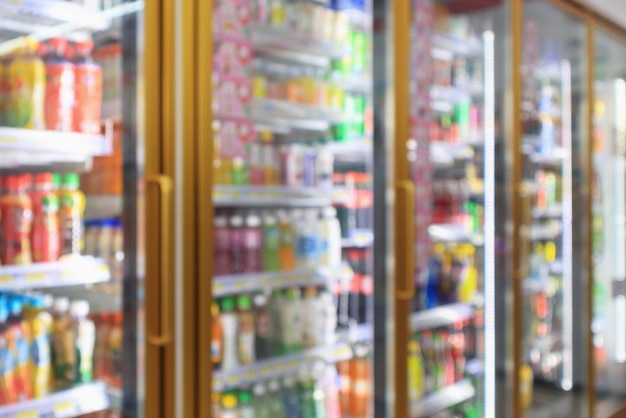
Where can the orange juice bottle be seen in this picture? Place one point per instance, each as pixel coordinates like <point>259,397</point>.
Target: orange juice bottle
<point>88,90</point>
<point>360,375</point>
<point>27,73</point>
<point>286,250</point>
<point>16,217</point>
<point>59,87</point>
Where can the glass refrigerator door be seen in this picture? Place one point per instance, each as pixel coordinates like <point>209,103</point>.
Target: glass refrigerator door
<point>609,240</point>
<point>554,123</point>
<point>451,154</point>
<point>72,195</point>
<point>290,209</point>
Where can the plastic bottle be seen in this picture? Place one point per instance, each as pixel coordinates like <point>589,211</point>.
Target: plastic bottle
<point>84,338</point>
<point>260,402</point>
<point>307,245</point>
<point>345,385</point>
<point>457,344</point>
<point>252,245</point>
<point>88,90</point>
<point>114,349</point>
<point>92,230</point>
<point>330,386</point>
<point>276,304</point>
<point>306,391</point>
<point>7,379</point>
<point>28,87</point>
<point>221,245</point>
<point>16,218</point>
<point>236,244</point>
<point>105,241</point>
<point>290,397</point>
<point>271,243</point>
<point>330,232</point>
<point>71,215</point>
<point>229,406</point>
<point>61,353</point>
<point>245,405</point>
<point>292,321</point>
<point>275,402</point>
<point>360,396</point>
<point>20,335</point>
<point>312,319</point>
<point>44,235</point>
<point>324,169</point>
<point>41,328</point>
<point>217,335</point>
<point>263,327</point>
<point>245,332</point>
<point>101,358</point>
<point>228,319</point>
<point>59,87</point>
<point>286,251</point>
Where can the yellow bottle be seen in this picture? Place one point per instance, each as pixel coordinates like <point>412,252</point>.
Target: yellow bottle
<point>71,215</point>
<point>415,366</point>
<point>27,75</point>
<point>40,362</point>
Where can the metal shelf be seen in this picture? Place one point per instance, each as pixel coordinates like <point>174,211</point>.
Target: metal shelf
<point>289,45</point>
<point>555,211</point>
<point>279,366</point>
<point>81,400</point>
<point>27,147</point>
<point>268,196</point>
<point>70,272</point>
<point>254,282</point>
<point>458,46</point>
<point>443,399</point>
<point>282,116</point>
<point>441,316</point>
<point>453,233</point>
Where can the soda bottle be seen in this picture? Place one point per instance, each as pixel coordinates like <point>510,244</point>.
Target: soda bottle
<point>228,319</point>
<point>245,331</point>
<point>275,403</point>
<point>88,90</point>
<point>271,243</point>
<point>19,336</point>
<point>71,215</point>
<point>263,327</point>
<point>59,87</point>
<point>448,360</point>
<point>236,244</point>
<point>84,338</point>
<point>217,335</point>
<point>229,406</point>
<point>41,327</point>
<point>360,376</point>
<point>416,371</point>
<point>114,350</point>
<point>45,230</point>
<point>221,248</point>
<point>292,321</point>
<point>286,250</point>
<point>28,87</point>
<point>457,344</point>
<point>61,353</point>
<point>245,405</point>
<point>16,217</point>
<point>252,245</point>
<point>260,402</point>
<point>290,398</point>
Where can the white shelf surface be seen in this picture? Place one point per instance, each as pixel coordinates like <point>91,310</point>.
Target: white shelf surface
<point>70,272</point>
<point>282,116</point>
<point>279,366</point>
<point>441,316</point>
<point>443,399</point>
<point>290,45</point>
<point>254,282</point>
<point>81,400</point>
<point>27,147</point>
<point>268,196</point>
<point>453,233</point>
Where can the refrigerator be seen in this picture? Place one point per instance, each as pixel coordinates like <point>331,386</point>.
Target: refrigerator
<point>607,233</point>
<point>80,278</point>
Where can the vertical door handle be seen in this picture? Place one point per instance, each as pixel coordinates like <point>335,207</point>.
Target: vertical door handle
<point>405,239</point>
<point>164,185</point>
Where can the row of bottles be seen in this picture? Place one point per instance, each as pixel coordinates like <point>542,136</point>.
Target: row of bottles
<point>104,238</point>
<point>453,203</point>
<point>249,328</point>
<point>45,345</point>
<point>107,354</point>
<point>40,217</point>
<point>276,241</point>
<point>51,86</point>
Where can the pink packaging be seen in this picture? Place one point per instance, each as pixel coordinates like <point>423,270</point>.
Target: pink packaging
<point>232,97</point>
<point>232,17</point>
<point>232,58</point>
<point>232,136</point>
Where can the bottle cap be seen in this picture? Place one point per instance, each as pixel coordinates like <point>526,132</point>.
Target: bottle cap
<point>58,45</point>
<point>258,390</point>
<point>260,299</point>
<point>253,221</point>
<point>83,47</point>
<point>117,318</point>
<point>330,212</point>
<point>56,181</point>
<point>273,385</point>
<point>220,222</point>
<point>245,397</point>
<point>269,220</point>
<point>71,181</point>
<point>228,304</point>
<point>15,305</point>
<point>292,294</point>
<point>61,304</point>
<point>43,179</point>
<point>236,221</point>
<point>229,401</point>
<point>37,302</point>
<point>79,308</point>
<point>244,303</point>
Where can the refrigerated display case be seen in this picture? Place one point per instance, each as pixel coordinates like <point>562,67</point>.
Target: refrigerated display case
<point>608,232</point>
<point>553,269</point>
<point>290,208</point>
<point>71,78</point>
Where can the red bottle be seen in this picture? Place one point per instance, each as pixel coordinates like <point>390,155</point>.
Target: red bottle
<point>16,216</point>
<point>59,87</point>
<point>88,90</point>
<point>44,235</point>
